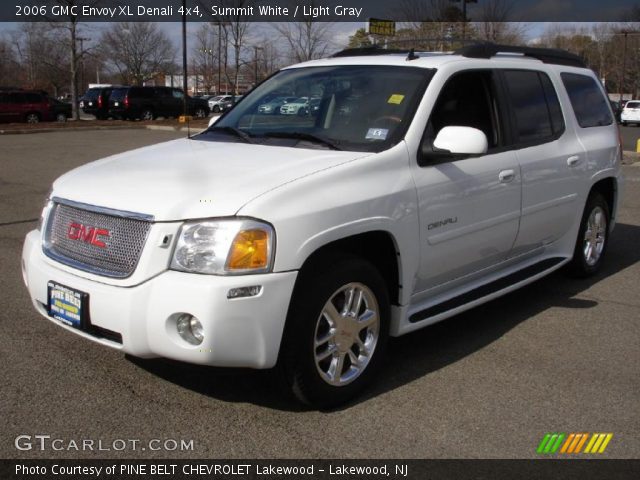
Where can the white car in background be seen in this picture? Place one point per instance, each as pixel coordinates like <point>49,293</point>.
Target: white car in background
<point>215,103</point>
<point>631,113</point>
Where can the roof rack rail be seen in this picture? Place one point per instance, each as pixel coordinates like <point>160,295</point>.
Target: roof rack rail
<point>546,55</point>
<point>364,51</point>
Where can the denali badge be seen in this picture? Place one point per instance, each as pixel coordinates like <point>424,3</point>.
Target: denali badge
<point>78,231</point>
<point>442,223</point>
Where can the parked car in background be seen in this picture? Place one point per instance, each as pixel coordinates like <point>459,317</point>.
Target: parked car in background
<point>24,106</point>
<point>273,105</point>
<point>292,108</point>
<point>630,113</point>
<point>227,104</point>
<point>215,103</point>
<point>617,109</point>
<point>147,103</point>
<point>95,101</point>
<point>59,111</point>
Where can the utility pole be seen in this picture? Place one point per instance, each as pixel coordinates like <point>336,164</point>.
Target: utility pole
<point>184,57</point>
<point>255,64</point>
<point>219,58</point>
<point>624,63</point>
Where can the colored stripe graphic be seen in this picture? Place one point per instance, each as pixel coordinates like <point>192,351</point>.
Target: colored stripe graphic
<point>550,443</point>
<point>573,443</point>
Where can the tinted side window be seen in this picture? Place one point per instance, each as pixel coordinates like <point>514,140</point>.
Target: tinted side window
<point>588,100</point>
<point>33,98</point>
<point>533,119</point>
<point>16,98</point>
<point>555,111</point>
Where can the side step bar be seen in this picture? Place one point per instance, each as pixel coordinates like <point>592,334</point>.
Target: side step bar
<point>486,290</point>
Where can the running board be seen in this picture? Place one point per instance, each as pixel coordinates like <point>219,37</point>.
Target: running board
<point>486,290</point>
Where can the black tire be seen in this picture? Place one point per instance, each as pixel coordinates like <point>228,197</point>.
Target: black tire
<point>200,112</point>
<point>147,115</point>
<point>61,117</point>
<point>216,109</point>
<point>298,365</point>
<point>584,264</point>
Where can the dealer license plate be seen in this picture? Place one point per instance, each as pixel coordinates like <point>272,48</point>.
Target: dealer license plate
<point>66,304</point>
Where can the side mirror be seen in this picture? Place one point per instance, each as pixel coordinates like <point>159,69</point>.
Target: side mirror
<point>462,141</point>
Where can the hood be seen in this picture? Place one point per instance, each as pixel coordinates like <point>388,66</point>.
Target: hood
<point>185,179</point>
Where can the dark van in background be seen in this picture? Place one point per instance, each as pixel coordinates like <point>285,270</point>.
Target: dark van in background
<point>147,103</point>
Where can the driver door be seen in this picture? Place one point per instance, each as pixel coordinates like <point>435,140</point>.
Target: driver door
<point>469,208</point>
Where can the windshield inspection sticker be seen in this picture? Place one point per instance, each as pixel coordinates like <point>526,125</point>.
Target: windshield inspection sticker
<point>396,99</point>
<point>377,134</point>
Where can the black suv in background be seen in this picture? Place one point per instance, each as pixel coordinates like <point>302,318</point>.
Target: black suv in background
<point>95,101</point>
<point>147,103</point>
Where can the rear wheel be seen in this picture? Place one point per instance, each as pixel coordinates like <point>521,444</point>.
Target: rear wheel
<point>216,109</point>
<point>200,112</point>
<point>61,117</point>
<point>593,237</point>
<point>337,331</point>
<point>146,114</point>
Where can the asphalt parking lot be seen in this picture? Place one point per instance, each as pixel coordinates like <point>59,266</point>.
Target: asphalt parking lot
<point>558,356</point>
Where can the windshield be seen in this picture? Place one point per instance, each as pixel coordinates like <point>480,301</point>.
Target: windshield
<point>358,108</point>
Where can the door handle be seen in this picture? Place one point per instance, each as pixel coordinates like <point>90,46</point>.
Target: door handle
<point>507,176</point>
<point>573,160</point>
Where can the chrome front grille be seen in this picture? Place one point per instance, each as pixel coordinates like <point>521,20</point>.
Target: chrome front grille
<point>70,238</point>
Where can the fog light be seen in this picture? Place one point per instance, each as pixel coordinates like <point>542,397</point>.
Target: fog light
<point>244,291</point>
<point>190,329</point>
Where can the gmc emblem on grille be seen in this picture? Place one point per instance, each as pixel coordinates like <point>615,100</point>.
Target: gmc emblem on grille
<point>78,231</point>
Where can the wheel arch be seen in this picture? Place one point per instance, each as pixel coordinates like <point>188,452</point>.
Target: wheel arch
<point>378,247</point>
<point>608,188</point>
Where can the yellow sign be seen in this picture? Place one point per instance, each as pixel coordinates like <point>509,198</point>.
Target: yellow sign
<point>396,98</point>
<point>382,27</point>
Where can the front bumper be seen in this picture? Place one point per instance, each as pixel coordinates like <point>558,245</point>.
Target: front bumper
<point>243,332</point>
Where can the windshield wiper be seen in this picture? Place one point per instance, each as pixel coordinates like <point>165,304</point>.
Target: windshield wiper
<point>304,136</point>
<point>234,131</point>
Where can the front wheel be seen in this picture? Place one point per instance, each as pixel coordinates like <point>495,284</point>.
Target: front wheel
<point>32,118</point>
<point>200,113</point>
<point>147,115</point>
<point>337,331</point>
<point>593,237</point>
<point>61,117</point>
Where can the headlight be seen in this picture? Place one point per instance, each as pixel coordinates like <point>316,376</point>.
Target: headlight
<point>47,205</point>
<point>224,247</point>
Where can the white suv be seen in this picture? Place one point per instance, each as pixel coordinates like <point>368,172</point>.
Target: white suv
<point>422,185</point>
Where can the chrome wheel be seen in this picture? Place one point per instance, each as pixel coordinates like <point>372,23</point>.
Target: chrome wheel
<point>200,113</point>
<point>346,334</point>
<point>147,115</point>
<point>594,236</point>
<point>33,118</point>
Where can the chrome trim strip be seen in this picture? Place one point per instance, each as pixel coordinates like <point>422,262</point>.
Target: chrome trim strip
<point>104,210</point>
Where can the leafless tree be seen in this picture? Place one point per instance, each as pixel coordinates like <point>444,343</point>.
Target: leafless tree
<point>307,40</point>
<point>205,54</point>
<point>495,22</point>
<point>42,71</point>
<point>138,51</point>
<point>72,28</point>
<point>9,66</point>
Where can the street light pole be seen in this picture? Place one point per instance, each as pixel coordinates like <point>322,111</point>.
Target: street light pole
<point>219,57</point>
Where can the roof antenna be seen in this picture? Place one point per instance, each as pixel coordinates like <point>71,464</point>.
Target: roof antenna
<point>412,55</point>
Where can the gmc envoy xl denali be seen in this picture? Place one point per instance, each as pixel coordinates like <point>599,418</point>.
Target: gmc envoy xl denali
<point>424,184</point>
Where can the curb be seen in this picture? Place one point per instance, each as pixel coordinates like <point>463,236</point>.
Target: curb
<point>629,157</point>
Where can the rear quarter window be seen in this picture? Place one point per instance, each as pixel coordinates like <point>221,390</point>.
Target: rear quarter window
<point>588,100</point>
